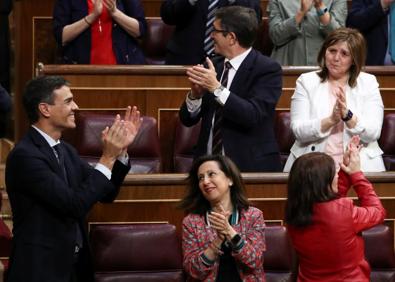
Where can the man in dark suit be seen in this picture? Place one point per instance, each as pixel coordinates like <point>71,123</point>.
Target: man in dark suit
<point>186,47</point>
<point>371,18</point>
<point>51,189</point>
<point>247,100</point>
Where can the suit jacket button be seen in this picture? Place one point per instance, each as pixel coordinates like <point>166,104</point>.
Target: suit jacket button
<point>313,148</point>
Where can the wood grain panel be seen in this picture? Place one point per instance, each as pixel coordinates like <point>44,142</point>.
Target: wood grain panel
<point>155,197</point>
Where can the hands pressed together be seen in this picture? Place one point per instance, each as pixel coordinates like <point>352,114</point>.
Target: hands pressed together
<point>351,160</point>
<point>202,79</point>
<point>219,221</point>
<point>110,5</point>
<point>120,135</point>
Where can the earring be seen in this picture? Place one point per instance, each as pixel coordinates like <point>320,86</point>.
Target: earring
<point>230,183</point>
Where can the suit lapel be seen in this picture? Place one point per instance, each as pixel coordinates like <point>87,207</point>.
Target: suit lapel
<point>43,146</point>
<point>70,168</point>
<point>243,72</point>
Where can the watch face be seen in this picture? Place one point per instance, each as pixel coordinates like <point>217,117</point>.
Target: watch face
<point>236,239</point>
<point>218,90</point>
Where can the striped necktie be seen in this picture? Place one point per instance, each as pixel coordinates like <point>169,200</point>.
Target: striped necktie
<point>208,41</point>
<point>217,134</point>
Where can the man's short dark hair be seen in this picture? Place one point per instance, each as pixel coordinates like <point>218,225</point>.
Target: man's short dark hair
<point>38,90</point>
<point>240,20</point>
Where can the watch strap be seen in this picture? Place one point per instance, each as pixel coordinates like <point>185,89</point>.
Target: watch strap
<point>348,116</point>
<point>321,12</point>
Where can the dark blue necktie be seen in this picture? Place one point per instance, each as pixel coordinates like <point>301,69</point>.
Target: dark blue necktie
<point>217,127</point>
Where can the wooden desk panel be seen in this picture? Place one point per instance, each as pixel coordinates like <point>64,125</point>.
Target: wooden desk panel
<point>147,198</point>
<point>159,91</point>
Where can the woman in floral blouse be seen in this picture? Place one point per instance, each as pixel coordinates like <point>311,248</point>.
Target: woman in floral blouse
<point>223,236</point>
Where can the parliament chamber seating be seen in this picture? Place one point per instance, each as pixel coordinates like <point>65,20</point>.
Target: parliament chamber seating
<point>184,142</point>
<point>136,252</point>
<point>154,43</point>
<point>379,252</point>
<point>86,138</point>
<point>280,257</point>
<point>283,133</point>
<point>387,141</point>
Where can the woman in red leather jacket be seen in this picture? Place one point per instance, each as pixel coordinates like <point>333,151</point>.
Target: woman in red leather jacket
<point>324,225</point>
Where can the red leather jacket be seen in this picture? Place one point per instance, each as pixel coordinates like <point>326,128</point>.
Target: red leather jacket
<point>331,249</point>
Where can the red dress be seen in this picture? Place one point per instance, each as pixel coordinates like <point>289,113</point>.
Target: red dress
<point>101,38</point>
<point>331,249</point>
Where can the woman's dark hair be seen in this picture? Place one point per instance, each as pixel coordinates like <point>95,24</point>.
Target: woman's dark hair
<point>357,45</point>
<point>309,182</point>
<point>195,202</point>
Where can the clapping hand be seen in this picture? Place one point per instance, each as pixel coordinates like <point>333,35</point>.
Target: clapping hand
<point>119,136</point>
<point>133,123</point>
<point>206,78</point>
<point>351,160</point>
<point>219,220</point>
<point>97,7</point>
<point>341,100</point>
<point>110,5</point>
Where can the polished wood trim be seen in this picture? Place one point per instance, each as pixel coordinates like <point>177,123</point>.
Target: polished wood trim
<point>248,178</point>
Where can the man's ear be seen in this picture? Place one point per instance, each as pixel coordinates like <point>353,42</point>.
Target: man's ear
<point>44,109</point>
<point>233,38</point>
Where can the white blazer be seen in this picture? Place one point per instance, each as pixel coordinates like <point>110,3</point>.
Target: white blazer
<point>309,105</point>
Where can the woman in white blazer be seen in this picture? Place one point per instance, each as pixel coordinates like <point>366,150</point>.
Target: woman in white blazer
<point>338,101</point>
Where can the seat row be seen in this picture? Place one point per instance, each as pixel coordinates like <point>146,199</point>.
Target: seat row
<point>145,152</point>
<point>153,44</point>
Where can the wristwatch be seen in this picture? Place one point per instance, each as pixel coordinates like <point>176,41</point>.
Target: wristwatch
<point>235,240</point>
<point>321,12</point>
<point>218,90</point>
<point>348,116</point>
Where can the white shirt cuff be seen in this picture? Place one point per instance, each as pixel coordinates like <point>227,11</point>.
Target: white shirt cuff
<point>223,96</point>
<point>103,169</point>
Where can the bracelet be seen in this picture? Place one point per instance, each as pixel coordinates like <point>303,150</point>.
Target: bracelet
<point>321,12</point>
<point>348,116</point>
<point>87,21</point>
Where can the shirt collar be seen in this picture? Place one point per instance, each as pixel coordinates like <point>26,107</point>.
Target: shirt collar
<point>236,61</point>
<point>47,138</point>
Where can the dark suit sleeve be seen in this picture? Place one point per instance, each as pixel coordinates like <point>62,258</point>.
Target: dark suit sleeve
<point>119,172</point>
<point>5,100</point>
<point>185,116</point>
<point>30,174</point>
<point>134,9</point>
<point>5,7</point>
<point>176,12</point>
<point>364,16</point>
<point>61,18</point>
<point>258,101</point>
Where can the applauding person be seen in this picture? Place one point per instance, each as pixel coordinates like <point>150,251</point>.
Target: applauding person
<point>102,32</point>
<point>223,236</point>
